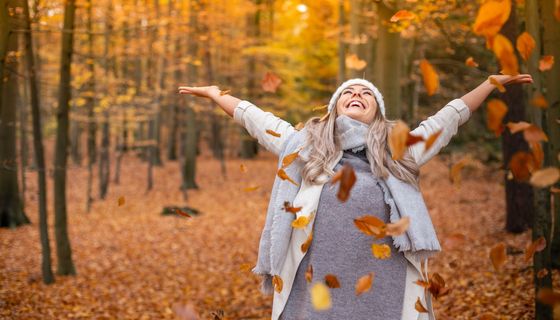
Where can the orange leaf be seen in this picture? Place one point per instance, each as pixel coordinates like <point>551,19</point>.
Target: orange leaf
<point>309,273</point>
<point>539,101</point>
<point>521,165</point>
<point>353,62</point>
<point>491,17</point>
<point>182,213</point>
<point>224,92</point>
<point>525,45</point>
<point>419,306</point>
<point>284,176</point>
<point>347,179</point>
<point>454,240</point>
<point>251,189</point>
<point>495,111</point>
<point>300,222</point>
<point>287,160</point>
<point>546,63</point>
<point>503,50</point>
<point>121,201</point>
<point>398,137</point>
<point>273,133</point>
<point>437,286</point>
<point>371,226</point>
<point>548,296</point>
<point>545,177</point>
<point>270,82</point>
<point>455,171</point>
<point>381,251</point>
<point>498,255</point>
<point>332,281</point>
<point>431,78</point>
<point>412,139</point>
<point>498,85</point>
<point>398,228</point>
<point>402,15</point>
<point>470,62</point>
<point>243,168</point>
<point>305,246</point>
<point>431,139</point>
<point>288,208</point>
<point>535,246</point>
<point>515,127</point>
<point>538,154</point>
<point>278,283</point>
<point>534,134</point>
<point>364,283</point>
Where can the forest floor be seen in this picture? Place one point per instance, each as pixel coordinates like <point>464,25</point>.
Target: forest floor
<point>134,263</point>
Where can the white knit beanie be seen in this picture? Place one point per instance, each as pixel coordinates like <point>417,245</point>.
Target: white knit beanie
<point>363,82</point>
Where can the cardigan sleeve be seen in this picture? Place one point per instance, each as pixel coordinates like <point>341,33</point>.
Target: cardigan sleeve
<point>257,121</point>
<point>448,119</point>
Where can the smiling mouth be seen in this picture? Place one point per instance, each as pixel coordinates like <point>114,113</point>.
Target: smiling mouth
<point>355,103</point>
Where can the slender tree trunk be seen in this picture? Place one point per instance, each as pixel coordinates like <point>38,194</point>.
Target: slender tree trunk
<point>11,211</point>
<point>519,195</point>
<point>104,161</point>
<point>388,62</point>
<point>90,102</point>
<point>75,139</point>
<point>174,101</point>
<point>39,152</point>
<point>63,249</point>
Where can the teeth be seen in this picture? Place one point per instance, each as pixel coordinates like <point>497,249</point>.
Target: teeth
<point>355,104</point>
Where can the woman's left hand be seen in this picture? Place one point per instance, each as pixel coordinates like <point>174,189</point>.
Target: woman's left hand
<point>507,79</point>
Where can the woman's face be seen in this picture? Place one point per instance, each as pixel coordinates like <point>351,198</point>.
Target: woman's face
<point>357,102</point>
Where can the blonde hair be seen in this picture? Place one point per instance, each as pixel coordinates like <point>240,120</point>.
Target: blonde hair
<point>325,148</point>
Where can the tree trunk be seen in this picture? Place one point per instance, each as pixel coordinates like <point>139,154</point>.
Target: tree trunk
<point>90,102</point>
<point>11,211</point>
<point>63,249</point>
<point>519,195</point>
<point>104,161</point>
<point>388,62</point>
<point>39,152</point>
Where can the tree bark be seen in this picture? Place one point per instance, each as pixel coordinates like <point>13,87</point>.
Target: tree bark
<point>63,249</point>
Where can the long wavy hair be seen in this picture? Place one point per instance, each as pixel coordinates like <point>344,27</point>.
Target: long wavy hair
<point>322,139</point>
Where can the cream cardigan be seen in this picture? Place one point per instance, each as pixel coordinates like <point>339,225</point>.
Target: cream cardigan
<point>255,120</point>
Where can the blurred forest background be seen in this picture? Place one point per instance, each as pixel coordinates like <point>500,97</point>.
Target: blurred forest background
<point>112,180</point>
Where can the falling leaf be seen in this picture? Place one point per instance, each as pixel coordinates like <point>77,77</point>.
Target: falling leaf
<point>498,255</point>
<point>412,139</point>
<point>548,296</point>
<point>521,165</point>
<point>515,127</point>
<point>243,168</point>
<point>323,107</point>
<point>301,222</point>
<point>320,296</point>
<point>437,286</point>
<point>402,15</point>
<point>542,273</point>
<point>539,101</point>
<point>381,251</point>
<point>287,160</point>
<point>503,50</point>
<point>546,63</point>
<point>270,82</point>
<point>307,243</point>
<point>251,188</point>
<point>284,176</point>
<point>273,133</point>
<point>347,178</point>
<point>397,139</point>
<point>545,177</point>
<point>419,307</point>
<point>525,45</point>
<point>245,267</point>
<point>537,245</point>
<point>371,226</point>
<point>430,76</point>
<point>471,63</point>
<point>538,154</point>
<point>332,281</point>
<point>455,171</point>
<point>309,273</point>
<point>498,85</point>
<point>299,126</point>
<point>431,139</point>
<point>454,240</point>
<point>182,213</point>
<point>398,228</point>
<point>288,208</point>
<point>534,134</point>
<point>224,92</point>
<point>120,201</point>
<point>364,283</point>
<point>353,62</point>
<point>278,283</point>
<point>491,17</point>
<point>495,112</point>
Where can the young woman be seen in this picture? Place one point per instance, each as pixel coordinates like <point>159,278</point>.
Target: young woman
<point>355,133</point>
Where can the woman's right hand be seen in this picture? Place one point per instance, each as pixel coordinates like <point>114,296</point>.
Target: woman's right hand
<point>204,92</point>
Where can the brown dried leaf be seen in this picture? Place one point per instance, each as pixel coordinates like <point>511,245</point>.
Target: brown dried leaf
<point>398,136</point>
<point>431,139</point>
<point>305,246</point>
<point>347,178</point>
<point>371,226</point>
<point>309,273</point>
<point>287,160</point>
<point>273,133</point>
<point>270,82</point>
<point>364,283</point>
<point>535,246</point>
<point>420,307</point>
<point>288,208</point>
<point>498,255</point>
<point>278,283</point>
<point>332,281</point>
<point>120,201</point>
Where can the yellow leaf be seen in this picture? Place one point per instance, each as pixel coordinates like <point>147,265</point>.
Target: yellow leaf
<point>496,110</point>
<point>491,17</point>
<point>381,251</point>
<point>300,222</point>
<point>525,45</point>
<point>398,137</point>
<point>320,296</point>
<point>120,201</point>
<point>364,283</point>
<point>497,83</point>
<point>284,176</point>
<point>504,52</point>
<point>251,189</point>
<point>353,62</point>
<point>430,76</point>
<point>278,283</point>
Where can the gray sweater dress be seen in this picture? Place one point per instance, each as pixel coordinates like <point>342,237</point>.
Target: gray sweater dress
<point>339,248</point>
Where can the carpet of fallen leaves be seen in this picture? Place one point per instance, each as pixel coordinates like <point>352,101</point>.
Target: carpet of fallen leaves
<point>134,263</point>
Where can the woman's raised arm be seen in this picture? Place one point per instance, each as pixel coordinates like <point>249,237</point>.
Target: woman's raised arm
<point>269,130</point>
<point>454,114</point>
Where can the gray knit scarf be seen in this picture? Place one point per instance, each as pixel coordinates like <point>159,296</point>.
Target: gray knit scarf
<point>351,133</point>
